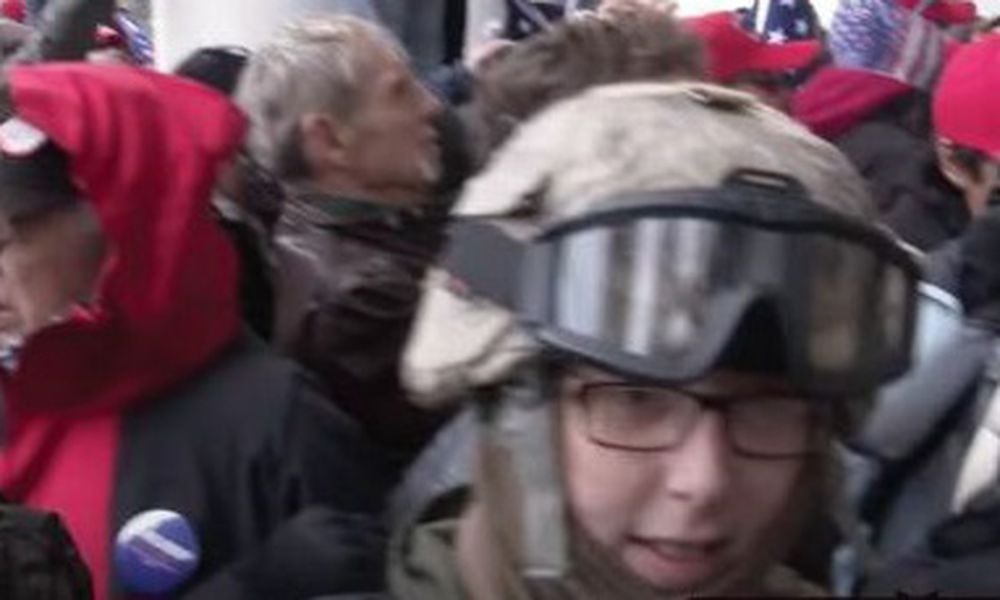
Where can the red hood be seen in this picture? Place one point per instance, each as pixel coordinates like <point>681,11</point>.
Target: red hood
<point>837,99</point>
<point>145,150</point>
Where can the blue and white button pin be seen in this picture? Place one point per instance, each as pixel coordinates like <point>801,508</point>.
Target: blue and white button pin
<point>156,552</point>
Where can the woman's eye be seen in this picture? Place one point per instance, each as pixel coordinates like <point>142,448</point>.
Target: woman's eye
<point>638,396</point>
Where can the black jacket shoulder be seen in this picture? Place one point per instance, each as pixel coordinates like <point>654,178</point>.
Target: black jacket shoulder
<point>241,449</point>
<point>912,196</point>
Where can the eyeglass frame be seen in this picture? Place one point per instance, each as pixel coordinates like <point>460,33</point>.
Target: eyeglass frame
<point>704,402</point>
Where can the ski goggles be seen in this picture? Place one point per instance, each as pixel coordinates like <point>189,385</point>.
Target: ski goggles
<point>657,285</point>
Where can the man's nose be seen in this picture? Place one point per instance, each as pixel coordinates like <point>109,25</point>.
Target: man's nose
<point>430,104</point>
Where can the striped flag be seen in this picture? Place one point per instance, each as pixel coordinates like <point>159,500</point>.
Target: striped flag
<point>137,38</point>
<point>885,37</point>
<point>785,20</point>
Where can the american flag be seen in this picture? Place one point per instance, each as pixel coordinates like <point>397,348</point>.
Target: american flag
<point>528,17</point>
<point>882,36</point>
<point>784,20</point>
<point>137,38</point>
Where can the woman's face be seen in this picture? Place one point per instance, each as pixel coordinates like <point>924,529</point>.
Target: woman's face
<point>700,517</point>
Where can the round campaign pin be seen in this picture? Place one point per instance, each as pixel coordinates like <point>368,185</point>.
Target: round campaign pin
<point>19,138</point>
<point>156,552</point>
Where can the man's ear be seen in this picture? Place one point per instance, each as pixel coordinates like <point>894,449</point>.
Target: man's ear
<point>958,172</point>
<point>324,141</point>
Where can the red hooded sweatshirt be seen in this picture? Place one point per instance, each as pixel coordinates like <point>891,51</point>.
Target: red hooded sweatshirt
<point>145,149</point>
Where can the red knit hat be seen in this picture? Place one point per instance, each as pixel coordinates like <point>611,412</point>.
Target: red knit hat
<point>732,51</point>
<point>966,105</point>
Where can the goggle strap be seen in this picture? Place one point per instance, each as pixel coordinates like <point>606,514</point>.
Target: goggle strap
<point>486,260</point>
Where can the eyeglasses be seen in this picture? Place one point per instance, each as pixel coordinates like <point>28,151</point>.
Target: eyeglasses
<point>651,418</point>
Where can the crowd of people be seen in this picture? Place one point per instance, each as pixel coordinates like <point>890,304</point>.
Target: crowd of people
<point>620,305</point>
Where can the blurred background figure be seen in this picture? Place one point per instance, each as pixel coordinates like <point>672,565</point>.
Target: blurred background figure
<point>128,382</point>
<point>338,115</point>
<point>874,103</point>
<point>931,492</point>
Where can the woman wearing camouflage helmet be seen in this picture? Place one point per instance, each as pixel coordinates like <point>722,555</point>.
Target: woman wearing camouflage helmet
<point>681,307</point>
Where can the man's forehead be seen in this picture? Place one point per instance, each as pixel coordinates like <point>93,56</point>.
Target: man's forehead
<point>387,65</point>
<point>393,76</point>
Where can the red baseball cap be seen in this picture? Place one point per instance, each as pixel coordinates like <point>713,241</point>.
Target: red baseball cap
<point>733,51</point>
<point>944,12</point>
<point>966,105</point>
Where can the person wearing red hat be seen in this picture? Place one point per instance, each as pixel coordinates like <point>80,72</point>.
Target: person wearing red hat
<point>873,102</point>
<point>740,59</point>
<point>966,122</point>
<point>128,383</point>
<point>967,143</point>
<point>967,146</point>
<point>881,50</point>
<point>934,504</point>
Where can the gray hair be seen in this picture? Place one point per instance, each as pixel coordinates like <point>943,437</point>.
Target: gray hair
<point>318,64</point>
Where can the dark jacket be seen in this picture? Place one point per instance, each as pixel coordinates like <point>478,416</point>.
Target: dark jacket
<point>912,196</point>
<point>148,396</point>
<point>348,279</point>
<point>967,267</point>
<point>978,276</point>
<point>247,208</point>
<point>275,480</point>
<point>252,243</point>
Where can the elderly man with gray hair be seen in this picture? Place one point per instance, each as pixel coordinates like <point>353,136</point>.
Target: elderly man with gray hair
<point>338,115</point>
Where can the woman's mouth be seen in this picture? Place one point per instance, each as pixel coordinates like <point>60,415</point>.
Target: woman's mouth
<point>675,563</point>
